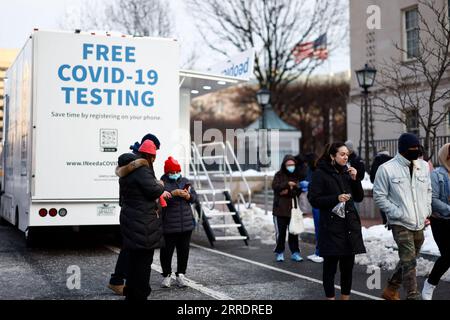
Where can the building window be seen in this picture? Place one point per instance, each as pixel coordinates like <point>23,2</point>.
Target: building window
<point>411,33</point>
<point>412,122</point>
<point>448,115</point>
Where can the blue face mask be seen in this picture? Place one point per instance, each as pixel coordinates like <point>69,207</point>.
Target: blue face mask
<point>291,169</point>
<point>175,176</point>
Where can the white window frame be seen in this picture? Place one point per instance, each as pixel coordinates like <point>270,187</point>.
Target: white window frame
<point>405,33</point>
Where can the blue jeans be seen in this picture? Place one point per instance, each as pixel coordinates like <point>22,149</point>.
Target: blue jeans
<point>316,215</point>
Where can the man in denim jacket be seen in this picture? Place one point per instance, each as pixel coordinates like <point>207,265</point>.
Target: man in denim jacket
<point>402,189</point>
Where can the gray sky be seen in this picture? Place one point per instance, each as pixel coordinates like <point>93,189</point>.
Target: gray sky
<point>20,17</point>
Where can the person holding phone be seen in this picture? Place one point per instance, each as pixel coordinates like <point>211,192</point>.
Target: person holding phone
<point>340,237</point>
<point>177,222</point>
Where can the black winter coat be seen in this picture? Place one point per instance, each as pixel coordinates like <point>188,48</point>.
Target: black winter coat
<point>337,236</point>
<point>140,222</point>
<point>377,162</point>
<point>177,216</point>
<point>357,163</point>
<point>282,204</point>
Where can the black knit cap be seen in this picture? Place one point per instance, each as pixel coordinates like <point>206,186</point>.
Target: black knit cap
<point>406,141</point>
<point>152,137</point>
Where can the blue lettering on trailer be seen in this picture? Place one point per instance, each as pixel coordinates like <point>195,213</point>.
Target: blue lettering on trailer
<point>107,74</point>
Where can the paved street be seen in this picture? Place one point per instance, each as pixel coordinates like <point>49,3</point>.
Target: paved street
<point>231,270</point>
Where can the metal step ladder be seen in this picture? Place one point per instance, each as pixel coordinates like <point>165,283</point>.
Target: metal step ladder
<point>217,212</point>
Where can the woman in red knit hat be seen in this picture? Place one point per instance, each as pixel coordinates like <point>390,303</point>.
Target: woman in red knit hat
<point>177,222</point>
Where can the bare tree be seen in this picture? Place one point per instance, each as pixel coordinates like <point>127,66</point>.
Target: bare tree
<point>141,17</point>
<point>419,86</point>
<point>273,28</point>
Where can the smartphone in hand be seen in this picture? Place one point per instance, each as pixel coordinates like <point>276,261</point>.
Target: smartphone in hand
<point>187,186</point>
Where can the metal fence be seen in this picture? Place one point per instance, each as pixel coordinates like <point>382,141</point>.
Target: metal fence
<point>391,145</point>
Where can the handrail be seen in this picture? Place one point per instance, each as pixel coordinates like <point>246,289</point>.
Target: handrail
<point>249,191</point>
<point>198,156</point>
<point>227,170</point>
<point>241,199</point>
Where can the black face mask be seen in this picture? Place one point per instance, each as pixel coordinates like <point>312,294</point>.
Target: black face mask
<point>412,154</point>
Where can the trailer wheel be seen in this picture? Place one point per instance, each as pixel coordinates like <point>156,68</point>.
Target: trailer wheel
<point>16,223</point>
<point>30,238</point>
<point>3,222</point>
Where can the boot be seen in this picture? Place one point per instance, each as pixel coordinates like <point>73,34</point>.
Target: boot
<point>118,289</point>
<point>390,293</point>
<point>410,285</point>
<point>345,297</point>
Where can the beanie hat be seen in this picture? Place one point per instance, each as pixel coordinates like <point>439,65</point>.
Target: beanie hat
<point>406,141</point>
<point>153,138</point>
<point>148,136</point>
<point>349,145</point>
<point>171,165</point>
<point>148,146</point>
<point>125,159</point>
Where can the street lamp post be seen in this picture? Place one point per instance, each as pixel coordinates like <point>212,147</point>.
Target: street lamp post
<point>263,98</point>
<point>366,79</point>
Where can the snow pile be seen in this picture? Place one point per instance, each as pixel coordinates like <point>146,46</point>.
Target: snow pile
<point>254,173</point>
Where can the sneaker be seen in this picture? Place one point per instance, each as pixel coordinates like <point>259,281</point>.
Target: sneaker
<point>279,257</point>
<point>117,289</point>
<point>315,258</point>
<point>427,291</point>
<point>296,257</point>
<point>181,280</point>
<point>166,282</point>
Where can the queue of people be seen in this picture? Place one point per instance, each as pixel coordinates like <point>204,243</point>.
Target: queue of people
<point>157,214</point>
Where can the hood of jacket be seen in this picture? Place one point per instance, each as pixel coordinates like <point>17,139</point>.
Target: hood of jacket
<point>128,168</point>
<point>283,164</point>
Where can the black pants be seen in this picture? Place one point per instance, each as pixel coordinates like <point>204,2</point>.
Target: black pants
<point>441,234</point>
<point>138,281</point>
<point>281,226</point>
<point>120,272</point>
<point>383,216</point>
<point>180,241</point>
<point>330,264</point>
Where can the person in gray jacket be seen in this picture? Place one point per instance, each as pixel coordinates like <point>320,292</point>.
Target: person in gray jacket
<point>440,221</point>
<point>402,189</point>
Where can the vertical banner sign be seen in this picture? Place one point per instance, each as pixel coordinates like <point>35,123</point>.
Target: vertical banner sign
<point>96,96</point>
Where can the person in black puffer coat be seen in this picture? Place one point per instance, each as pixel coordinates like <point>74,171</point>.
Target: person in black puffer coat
<point>117,280</point>
<point>285,189</point>
<point>177,222</point>
<point>140,222</point>
<point>340,239</point>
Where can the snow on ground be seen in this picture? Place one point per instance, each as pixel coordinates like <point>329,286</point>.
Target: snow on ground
<point>380,245</point>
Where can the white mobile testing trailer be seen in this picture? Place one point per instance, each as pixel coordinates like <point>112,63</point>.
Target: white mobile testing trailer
<point>73,103</point>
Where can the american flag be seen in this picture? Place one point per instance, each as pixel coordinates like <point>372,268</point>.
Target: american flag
<point>315,49</point>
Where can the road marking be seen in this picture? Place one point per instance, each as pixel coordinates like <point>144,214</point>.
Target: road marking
<point>190,283</point>
<point>362,294</point>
